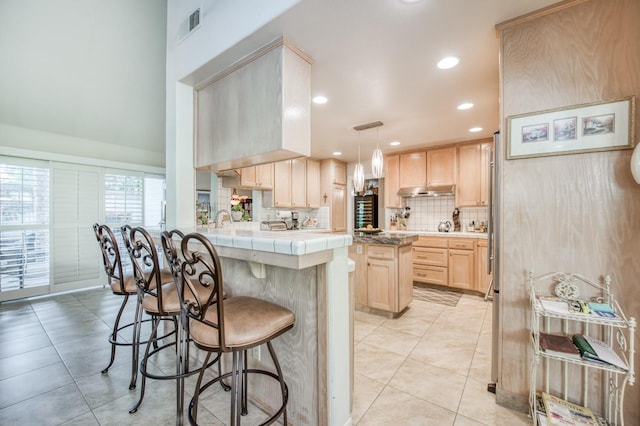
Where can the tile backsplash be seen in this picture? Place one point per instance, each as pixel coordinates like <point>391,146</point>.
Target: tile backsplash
<point>428,212</point>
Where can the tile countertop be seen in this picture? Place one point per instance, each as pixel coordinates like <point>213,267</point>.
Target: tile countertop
<point>294,243</point>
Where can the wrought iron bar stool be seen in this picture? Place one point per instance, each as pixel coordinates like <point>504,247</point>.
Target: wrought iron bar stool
<point>158,296</point>
<point>232,325</point>
<point>122,284</point>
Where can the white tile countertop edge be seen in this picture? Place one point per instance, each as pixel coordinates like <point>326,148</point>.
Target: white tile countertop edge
<point>294,243</point>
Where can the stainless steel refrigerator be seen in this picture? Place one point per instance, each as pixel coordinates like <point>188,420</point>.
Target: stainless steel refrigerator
<point>493,253</point>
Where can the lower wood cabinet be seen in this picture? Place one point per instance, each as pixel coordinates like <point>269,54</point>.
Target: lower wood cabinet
<point>452,262</point>
<point>383,278</point>
<point>483,279</point>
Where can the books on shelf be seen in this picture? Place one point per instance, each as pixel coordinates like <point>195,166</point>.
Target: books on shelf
<point>564,413</point>
<point>596,350</point>
<point>558,345</point>
<point>557,305</point>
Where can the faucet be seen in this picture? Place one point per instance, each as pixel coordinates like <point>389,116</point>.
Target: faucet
<point>218,213</point>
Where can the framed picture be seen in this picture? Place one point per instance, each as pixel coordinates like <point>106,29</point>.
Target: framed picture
<point>203,207</point>
<point>599,126</point>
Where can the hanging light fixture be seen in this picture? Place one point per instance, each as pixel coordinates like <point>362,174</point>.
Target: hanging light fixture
<point>376,159</point>
<point>358,175</point>
<point>377,162</point>
<point>235,198</point>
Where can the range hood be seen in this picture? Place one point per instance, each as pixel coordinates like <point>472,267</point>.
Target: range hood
<point>427,191</point>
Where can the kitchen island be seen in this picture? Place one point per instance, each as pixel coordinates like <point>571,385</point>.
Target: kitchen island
<point>306,273</point>
<point>383,277</point>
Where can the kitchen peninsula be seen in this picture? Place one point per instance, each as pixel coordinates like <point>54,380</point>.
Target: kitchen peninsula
<point>383,277</point>
<point>307,273</point>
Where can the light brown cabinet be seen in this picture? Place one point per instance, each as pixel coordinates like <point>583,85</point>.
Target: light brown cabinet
<point>257,177</point>
<point>314,197</point>
<point>483,280</point>
<point>333,189</point>
<point>450,262</point>
<point>282,184</point>
<point>473,172</point>
<point>392,181</point>
<point>441,166</point>
<point>462,272</point>
<point>298,183</point>
<point>413,169</point>
<point>382,276</point>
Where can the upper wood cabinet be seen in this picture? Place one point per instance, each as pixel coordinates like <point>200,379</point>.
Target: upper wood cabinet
<point>392,181</point>
<point>282,184</point>
<point>257,177</point>
<point>298,183</point>
<point>333,192</point>
<point>473,172</point>
<point>314,197</point>
<point>413,169</point>
<point>441,166</point>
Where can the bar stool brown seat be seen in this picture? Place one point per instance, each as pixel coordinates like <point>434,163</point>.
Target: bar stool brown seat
<point>158,296</point>
<point>122,284</point>
<point>232,325</point>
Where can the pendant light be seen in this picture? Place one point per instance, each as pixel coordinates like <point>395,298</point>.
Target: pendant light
<point>358,175</point>
<point>377,161</point>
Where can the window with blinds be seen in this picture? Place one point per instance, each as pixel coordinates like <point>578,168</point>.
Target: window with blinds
<point>24,226</point>
<point>123,199</point>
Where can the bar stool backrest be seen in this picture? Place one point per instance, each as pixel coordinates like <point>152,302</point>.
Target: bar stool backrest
<point>110,256</point>
<point>146,267</point>
<point>193,266</point>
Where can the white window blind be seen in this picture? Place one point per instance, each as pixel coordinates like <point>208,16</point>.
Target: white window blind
<point>76,206</point>
<point>24,226</point>
<point>123,199</point>
<point>154,201</point>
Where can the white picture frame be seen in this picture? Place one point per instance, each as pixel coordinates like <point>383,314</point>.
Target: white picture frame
<point>598,126</point>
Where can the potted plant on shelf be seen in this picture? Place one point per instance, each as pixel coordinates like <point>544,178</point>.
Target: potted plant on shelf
<point>237,212</point>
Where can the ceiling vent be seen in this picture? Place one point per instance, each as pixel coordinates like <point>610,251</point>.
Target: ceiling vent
<point>189,25</point>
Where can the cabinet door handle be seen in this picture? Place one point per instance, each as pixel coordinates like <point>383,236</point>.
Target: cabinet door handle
<point>421,275</point>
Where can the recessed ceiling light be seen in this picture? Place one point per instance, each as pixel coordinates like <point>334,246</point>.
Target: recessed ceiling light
<point>475,129</point>
<point>465,105</point>
<point>337,153</point>
<point>410,1</point>
<point>394,143</point>
<point>320,99</point>
<point>448,62</point>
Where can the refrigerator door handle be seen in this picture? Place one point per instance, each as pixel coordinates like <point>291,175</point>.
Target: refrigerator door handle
<point>490,168</point>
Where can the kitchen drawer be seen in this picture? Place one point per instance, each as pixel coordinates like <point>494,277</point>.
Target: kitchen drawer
<point>462,243</point>
<point>424,241</point>
<point>430,256</point>
<point>379,251</point>
<point>430,274</point>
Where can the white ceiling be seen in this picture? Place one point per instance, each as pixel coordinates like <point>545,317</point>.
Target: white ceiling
<point>376,60</point>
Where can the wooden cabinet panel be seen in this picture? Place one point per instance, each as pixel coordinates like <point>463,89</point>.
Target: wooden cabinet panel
<point>483,279</point>
<point>339,209</point>
<point>462,243</point>
<point>441,166</point>
<point>392,181</point>
<point>358,254</point>
<point>473,172</point>
<point>461,269</point>
<point>340,173</point>
<point>298,183</point>
<point>430,256</point>
<point>381,275</point>
<point>424,241</point>
<point>314,197</point>
<point>405,279</point>
<point>430,274</point>
<point>413,169</point>
<point>264,176</point>
<point>282,184</point>
<point>379,251</point>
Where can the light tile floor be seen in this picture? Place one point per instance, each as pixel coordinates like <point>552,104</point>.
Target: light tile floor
<point>429,367</point>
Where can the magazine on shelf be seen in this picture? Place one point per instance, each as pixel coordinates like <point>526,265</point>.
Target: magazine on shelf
<point>565,413</point>
<point>558,345</point>
<point>599,351</point>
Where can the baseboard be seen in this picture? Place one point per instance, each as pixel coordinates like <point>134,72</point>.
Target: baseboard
<point>512,401</point>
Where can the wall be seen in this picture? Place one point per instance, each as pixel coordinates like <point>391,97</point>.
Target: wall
<point>572,213</point>
<point>84,78</point>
